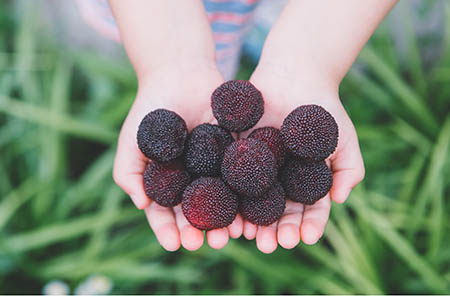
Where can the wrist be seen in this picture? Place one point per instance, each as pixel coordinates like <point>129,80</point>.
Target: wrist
<point>177,70</point>
<point>305,80</point>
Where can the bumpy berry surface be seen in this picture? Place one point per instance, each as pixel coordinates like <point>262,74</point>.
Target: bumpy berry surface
<point>310,132</point>
<point>272,137</point>
<point>205,148</point>
<point>161,135</point>
<point>164,183</point>
<point>266,209</point>
<point>209,204</point>
<point>305,182</point>
<point>249,167</point>
<point>237,105</point>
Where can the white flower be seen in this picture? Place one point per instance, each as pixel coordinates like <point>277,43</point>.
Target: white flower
<point>56,287</point>
<point>95,285</point>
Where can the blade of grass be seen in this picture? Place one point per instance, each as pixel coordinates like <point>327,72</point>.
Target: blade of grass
<point>16,198</point>
<point>446,50</point>
<point>439,77</point>
<point>357,247</point>
<point>327,259</point>
<point>116,112</point>
<point>433,181</point>
<point>52,164</point>
<point>241,282</point>
<point>441,73</point>
<point>62,231</point>
<point>40,62</point>
<point>413,57</point>
<point>350,267</point>
<point>10,131</point>
<point>110,208</point>
<point>371,89</point>
<point>264,269</point>
<point>412,136</point>
<point>86,185</point>
<point>435,184</point>
<point>123,268</point>
<point>323,256</point>
<point>399,244</point>
<point>6,83</point>
<point>60,122</point>
<point>75,261</point>
<point>386,204</point>
<point>409,99</point>
<point>384,43</point>
<point>25,45</point>
<point>118,70</point>
<point>373,134</point>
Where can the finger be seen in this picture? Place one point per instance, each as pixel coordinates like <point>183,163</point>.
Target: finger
<point>218,238</point>
<point>289,225</point>
<point>191,238</point>
<point>249,230</point>
<point>236,228</point>
<point>129,167</point>
<point>348,170</point>
<point>162,222</point>
<point>266,238</point>
<point>315,218</point>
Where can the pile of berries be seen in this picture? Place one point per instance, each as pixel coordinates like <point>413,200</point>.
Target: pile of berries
<point>215,176</point>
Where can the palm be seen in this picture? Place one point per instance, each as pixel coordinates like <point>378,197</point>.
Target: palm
<point>189,96</point>
<point>298,221</point>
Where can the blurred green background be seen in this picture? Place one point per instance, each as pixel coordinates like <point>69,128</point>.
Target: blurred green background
<point>63,218</point>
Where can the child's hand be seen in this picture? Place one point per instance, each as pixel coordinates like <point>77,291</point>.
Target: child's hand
<point>187,92</point>
<point>282,94</point>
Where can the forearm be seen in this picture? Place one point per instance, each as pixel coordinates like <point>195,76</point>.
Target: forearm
<point>319,40</point>
<point>158,33</point>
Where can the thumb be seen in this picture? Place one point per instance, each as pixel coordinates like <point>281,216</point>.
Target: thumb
<point>348,171</point>
<point>129,167</point>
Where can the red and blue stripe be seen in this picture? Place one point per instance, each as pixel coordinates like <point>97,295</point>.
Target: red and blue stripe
<point>229,19</point>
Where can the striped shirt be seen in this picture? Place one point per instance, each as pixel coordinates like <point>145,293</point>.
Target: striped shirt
<point>229,19</point>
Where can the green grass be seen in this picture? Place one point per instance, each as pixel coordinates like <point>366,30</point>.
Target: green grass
<point>62,217</point>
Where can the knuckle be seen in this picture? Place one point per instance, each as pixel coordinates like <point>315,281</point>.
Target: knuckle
<point>118,179</point>
<point>361,174</point>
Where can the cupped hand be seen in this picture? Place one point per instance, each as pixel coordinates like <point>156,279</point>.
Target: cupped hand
<point>187,92</point>
<point>283,93</point>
